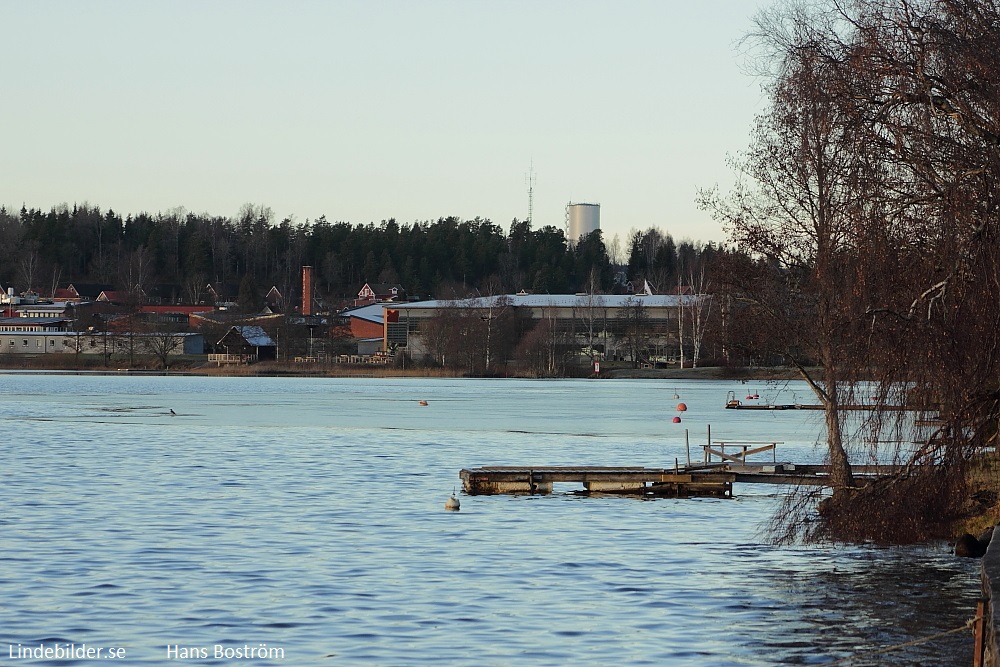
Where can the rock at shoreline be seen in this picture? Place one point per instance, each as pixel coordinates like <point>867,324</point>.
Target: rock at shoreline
<point>967,546</point>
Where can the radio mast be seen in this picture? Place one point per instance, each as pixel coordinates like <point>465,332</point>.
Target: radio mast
<point>530,180</point>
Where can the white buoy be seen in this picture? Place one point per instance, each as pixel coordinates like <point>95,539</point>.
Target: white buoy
<point>676,395</point>
<point>452,504</point>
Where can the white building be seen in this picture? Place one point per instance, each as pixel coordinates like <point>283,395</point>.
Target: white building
<point>98,343</point>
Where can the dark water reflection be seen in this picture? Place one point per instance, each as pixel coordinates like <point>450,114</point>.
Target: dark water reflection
<point>307,514</point>
<point>870,600</point>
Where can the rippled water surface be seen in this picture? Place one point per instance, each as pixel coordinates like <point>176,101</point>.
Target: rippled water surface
<point>307,515</point>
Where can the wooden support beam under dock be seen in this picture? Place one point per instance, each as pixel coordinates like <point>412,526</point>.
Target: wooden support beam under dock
<point>715,480</point>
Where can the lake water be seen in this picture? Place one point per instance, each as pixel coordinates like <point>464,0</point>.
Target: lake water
<point>306,515</point>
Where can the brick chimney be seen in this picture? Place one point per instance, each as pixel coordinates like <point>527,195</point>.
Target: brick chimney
<point>307,290</point>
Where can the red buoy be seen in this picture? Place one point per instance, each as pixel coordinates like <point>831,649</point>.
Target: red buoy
<point>677,420</point>
<point>681,407</point>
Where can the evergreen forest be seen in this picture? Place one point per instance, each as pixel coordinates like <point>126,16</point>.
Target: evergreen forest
<point>173,255</point>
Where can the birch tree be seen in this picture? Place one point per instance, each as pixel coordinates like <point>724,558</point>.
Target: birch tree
<point>792,208</point>
<point>699,306</point>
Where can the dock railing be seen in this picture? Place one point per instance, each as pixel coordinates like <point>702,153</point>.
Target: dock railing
<point>220,359</point>
<point>740,450</point>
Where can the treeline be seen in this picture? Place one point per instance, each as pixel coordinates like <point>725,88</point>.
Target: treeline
<point>446,258</point>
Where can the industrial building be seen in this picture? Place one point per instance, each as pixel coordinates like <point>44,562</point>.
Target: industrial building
<point>586,317</point>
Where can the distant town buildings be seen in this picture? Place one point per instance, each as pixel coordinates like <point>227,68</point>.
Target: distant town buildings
<point>378,325</point>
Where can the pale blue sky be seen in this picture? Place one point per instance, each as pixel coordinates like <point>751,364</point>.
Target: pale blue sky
<point>362,111</point>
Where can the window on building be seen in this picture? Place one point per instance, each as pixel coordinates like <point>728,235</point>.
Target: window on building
<point>396,333</point>
<point>24,343</point>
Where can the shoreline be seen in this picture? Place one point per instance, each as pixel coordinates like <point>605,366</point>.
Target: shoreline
<point>270,369</point>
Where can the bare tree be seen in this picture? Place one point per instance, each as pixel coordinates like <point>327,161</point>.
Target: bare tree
<point>550,332</point>
<point>533,351</point>
<point>615,253</point>
<point>591,309</point>
<point>633,323</point>
<point>871,210</point>
<point>194,286</point>
<point>437,339</point>
<point>793,209</point>
<point>77,342</point>
<point>56,276</point>
<point>456,336</point>
<point>680,320</point>
<point>136,274</point>
<point>162,345</point>
<point>502,331</point>
<point>699,307</point>
<point>29,263</point>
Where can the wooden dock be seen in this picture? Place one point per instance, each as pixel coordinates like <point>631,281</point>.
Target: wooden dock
<point>739,405</point>
<point>735,404</point>
<point>705,479</point>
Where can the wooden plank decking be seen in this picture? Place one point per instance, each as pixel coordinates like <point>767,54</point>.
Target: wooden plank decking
<point>739,405</point>
<point>705,479</point>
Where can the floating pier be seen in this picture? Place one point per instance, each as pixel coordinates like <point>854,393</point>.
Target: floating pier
<point>491,480</point>
<point>740,405</point>
<point>733,403</point>
<point>705,478</point>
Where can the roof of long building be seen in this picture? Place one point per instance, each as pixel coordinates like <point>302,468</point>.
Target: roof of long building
<point>369,313</point>
<point>255,335</point>
<point>554,300</point>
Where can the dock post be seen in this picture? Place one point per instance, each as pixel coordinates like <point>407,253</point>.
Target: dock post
<point>979,635</point>
<point>704,459</point>
<point>687,445</point>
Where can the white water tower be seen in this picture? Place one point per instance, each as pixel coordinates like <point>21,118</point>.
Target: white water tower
<point>581,220</point>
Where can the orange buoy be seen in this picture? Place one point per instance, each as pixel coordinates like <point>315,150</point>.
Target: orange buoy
<point>677,420</point>
<point>681,407</point>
